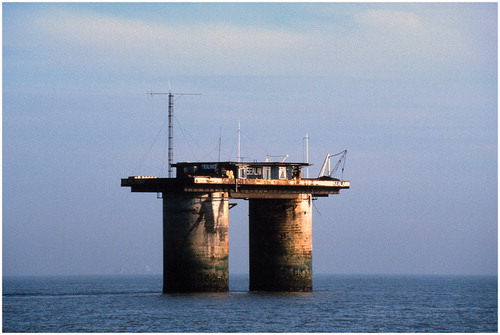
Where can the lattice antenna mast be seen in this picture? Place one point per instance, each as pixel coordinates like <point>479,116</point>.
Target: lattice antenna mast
<point>171,125</point>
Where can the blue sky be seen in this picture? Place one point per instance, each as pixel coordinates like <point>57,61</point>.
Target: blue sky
<point>409,89</point>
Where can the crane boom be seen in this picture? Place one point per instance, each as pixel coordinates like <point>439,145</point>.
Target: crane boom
<point>323,167</point>
<point>326,163</point>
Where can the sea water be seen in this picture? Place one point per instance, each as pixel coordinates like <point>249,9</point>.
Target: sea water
<point>339,303</point>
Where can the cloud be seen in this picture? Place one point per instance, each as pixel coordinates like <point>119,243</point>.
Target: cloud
<point>197,48</point>
<point>391,20</point>
<point>408,35</point>
<point>380,43</point>
<point>96,30</point>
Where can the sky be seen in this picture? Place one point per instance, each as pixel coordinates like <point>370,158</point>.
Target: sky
<point>410,90</point>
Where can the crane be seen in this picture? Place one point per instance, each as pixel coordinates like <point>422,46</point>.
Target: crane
<point>326,163</point>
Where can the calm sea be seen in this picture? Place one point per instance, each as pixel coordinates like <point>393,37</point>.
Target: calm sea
<point>339,303</point>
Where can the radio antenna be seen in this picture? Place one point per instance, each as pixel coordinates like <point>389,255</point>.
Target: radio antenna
<point>307,154</point>
<point>238,159</point>
<point>171,124</point>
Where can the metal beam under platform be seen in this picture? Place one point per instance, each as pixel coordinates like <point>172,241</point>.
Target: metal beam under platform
<point>237,188</point>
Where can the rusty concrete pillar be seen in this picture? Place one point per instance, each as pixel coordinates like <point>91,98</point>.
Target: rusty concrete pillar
<point>281,244</point>
<point>195,242</point>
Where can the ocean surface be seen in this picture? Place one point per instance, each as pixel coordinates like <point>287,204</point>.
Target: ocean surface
<point>339,303</point>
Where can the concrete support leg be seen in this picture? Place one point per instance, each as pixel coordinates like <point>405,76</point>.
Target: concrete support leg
<point>195,242</point>
<point>281,244</point>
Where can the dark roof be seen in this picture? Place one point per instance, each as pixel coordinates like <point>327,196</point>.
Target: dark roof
<point>243,163</point>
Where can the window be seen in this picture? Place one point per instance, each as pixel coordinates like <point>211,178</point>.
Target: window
<point>266,172</point>
<point>242,172</point>
<point>282,172</point>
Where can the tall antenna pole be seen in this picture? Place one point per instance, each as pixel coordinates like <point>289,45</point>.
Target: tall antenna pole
<point>239,143</point>
<point>171,125</point>
<point>307,154</point>
<point>220,135</point>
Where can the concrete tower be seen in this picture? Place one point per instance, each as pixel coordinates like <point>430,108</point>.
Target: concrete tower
<point>196,220</point>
